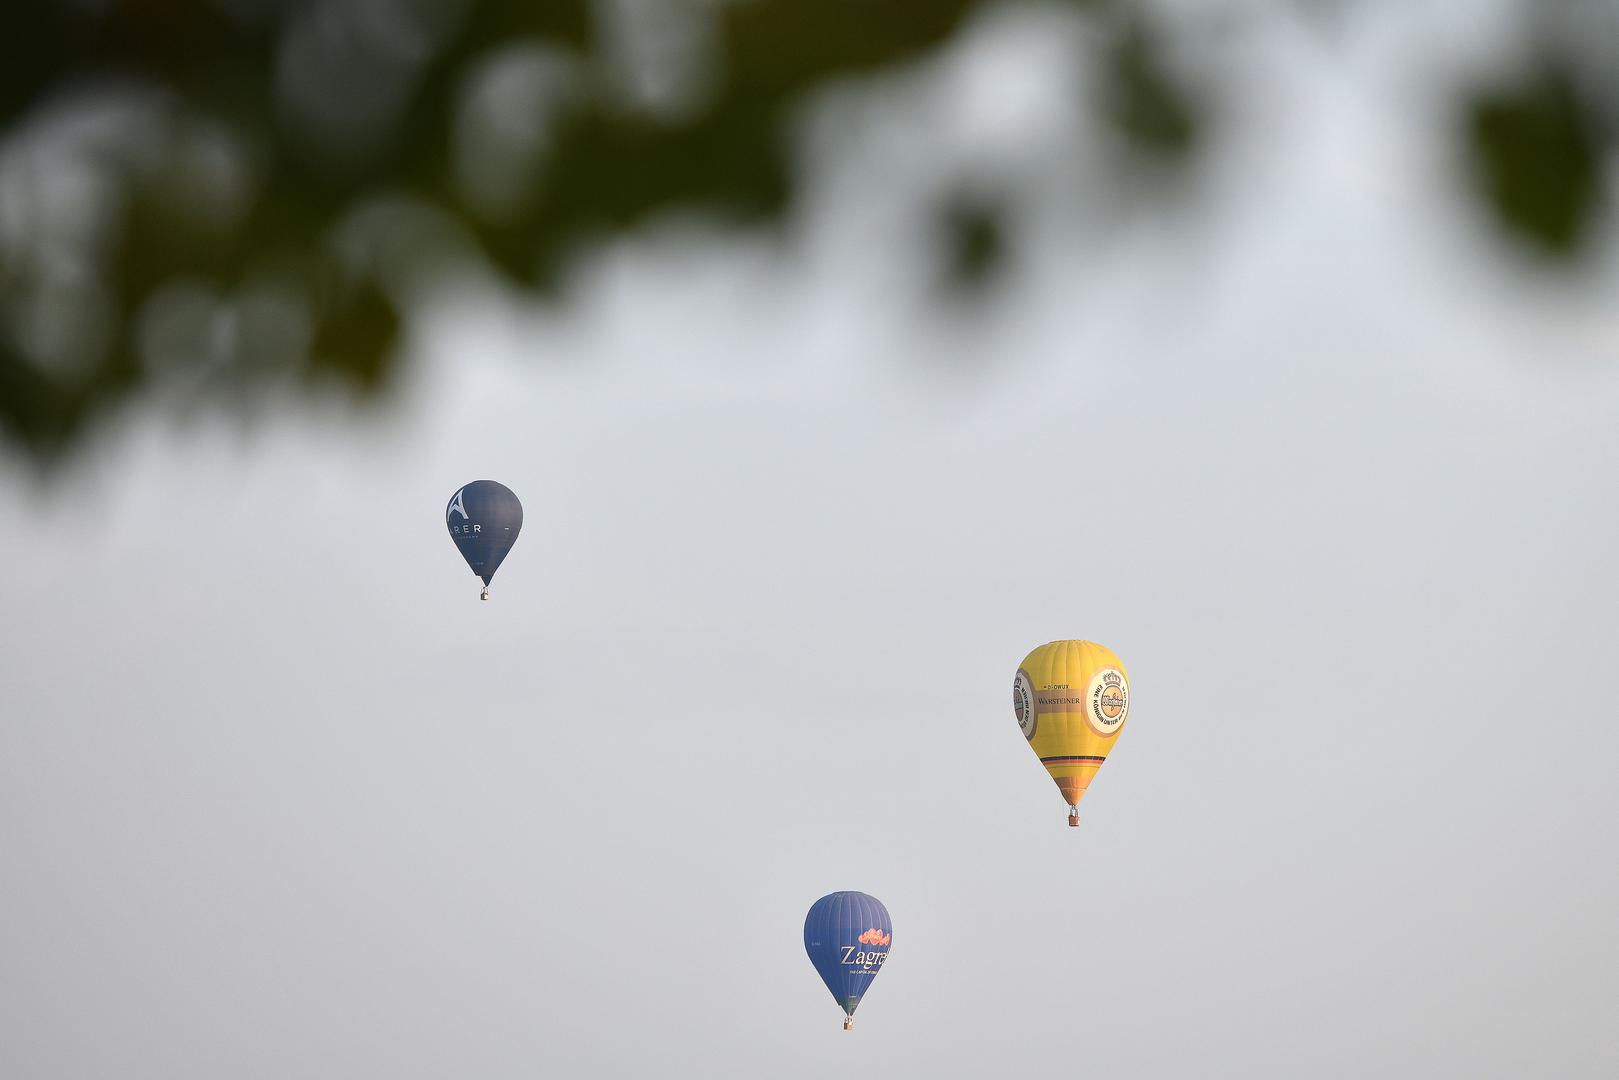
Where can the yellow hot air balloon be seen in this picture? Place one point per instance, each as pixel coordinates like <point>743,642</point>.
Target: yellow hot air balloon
<point>1071,699</point>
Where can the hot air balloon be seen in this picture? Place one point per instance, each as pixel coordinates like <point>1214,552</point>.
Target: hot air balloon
<point>1071,699</point>
<point>846,935</point>
<point>484,519</point>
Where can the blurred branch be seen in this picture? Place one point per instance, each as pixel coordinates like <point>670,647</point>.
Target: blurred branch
<point>1145,103</point>
<point>1539,155</point>
<point>215,194</point>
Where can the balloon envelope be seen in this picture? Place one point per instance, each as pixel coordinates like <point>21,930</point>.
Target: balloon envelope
<point>847,935</point>
<point>484,519</point>
<point>1071,699</point>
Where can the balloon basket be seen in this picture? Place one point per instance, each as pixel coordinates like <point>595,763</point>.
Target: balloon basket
<point>484,595</point>
<point>848,1022</point>
<point>1073,816</point>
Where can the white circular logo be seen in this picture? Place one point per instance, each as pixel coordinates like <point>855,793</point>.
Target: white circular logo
<point>1023,703</point>
<point>1107,701</point>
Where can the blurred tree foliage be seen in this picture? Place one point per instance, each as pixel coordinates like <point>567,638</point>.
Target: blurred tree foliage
<point>220,194</point>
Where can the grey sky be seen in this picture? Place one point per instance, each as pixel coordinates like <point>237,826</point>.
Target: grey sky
<point>280,798</point>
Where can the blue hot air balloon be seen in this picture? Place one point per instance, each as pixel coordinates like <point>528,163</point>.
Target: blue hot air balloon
<point>847,935</point>
<point>484,519</point>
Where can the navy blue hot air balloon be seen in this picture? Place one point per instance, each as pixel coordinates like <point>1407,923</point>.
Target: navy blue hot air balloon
<point>484,519</point>
<point>847,935</point>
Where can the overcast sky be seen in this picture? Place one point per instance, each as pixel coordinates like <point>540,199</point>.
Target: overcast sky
<point>279,797</point>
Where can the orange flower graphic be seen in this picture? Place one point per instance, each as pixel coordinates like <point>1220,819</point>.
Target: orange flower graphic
<point>875,936</point>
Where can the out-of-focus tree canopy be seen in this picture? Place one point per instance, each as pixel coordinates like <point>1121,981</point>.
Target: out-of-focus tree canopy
<point>215,194</point>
